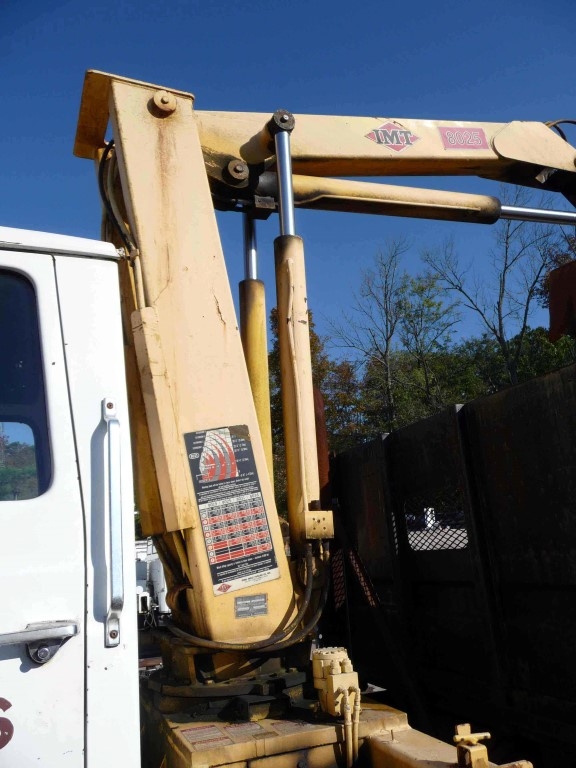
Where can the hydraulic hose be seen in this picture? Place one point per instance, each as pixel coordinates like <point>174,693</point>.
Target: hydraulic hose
<point>105,200</point>
<point>313,621</point>
<point>274,642</point>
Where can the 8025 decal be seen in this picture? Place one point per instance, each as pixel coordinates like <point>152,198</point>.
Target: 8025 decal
<point>463,138</point>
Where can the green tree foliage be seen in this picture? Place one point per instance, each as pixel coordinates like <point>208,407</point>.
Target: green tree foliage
<point>18,475</point>
<point>344,406</point>
<point>400,332</point>
<point>425,334</point>
<point>403,362</point>
<point>538,357</point>
<point>541,356</point>
<point>278,452</point>
<point>454,379</point>
<point>336,381</point>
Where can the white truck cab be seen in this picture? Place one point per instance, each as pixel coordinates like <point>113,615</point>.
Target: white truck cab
<point>68,638</point>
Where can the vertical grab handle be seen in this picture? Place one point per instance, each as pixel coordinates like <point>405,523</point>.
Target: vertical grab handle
<point>112,636</point>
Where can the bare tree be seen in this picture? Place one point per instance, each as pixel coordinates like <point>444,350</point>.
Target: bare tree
<point>398,324</point>
<point>521,257</point>
<point>376,312</point>
<point>425,329</point>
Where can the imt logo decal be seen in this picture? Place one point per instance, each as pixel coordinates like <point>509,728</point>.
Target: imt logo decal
<point>393,137</point>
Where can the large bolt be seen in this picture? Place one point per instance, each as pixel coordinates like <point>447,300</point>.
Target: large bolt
<point>43,653</point>
<point>165,102</point>
<point>238,170</point>
<point>281,120</point>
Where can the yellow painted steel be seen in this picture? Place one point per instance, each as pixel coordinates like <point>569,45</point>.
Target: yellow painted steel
<point>146,491</point>
<point>407,748</point>
<point>188,348</point>
<point>336,145</point>
<point>253,321</point>
<point>199,742</point>
<point>519,152</point>
<point>352,196</point>
<point>303,484</point>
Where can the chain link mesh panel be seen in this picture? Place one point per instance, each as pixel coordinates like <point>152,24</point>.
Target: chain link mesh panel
<point>436,521</point>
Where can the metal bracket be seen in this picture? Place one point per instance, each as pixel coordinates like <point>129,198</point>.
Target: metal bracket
<point>319,524</point>
<point>470,753</point>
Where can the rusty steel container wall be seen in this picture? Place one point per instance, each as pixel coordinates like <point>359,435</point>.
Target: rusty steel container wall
<point>404,503</point>
<point>465,524</point>
<point>367,614</point>
<point>365,531</point>
<point>522,445</point>
<point>361,494</point>
<point>444,603</point>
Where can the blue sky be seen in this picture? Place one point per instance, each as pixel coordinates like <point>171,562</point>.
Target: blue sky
<point>451,60</point>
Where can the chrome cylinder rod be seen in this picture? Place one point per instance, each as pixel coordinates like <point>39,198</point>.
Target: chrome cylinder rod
<point>250,248</point>
<point>285,187</point>
<point>537,214</point>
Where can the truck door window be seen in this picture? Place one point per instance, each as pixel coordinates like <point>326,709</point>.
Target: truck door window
<point>25,464</point>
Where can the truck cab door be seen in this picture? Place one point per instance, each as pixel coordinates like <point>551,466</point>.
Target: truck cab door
<point>68,639</point>
<point>42,542</point>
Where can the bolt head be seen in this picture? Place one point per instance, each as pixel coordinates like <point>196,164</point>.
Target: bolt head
<point>238,170</point>
<point>114,634</point>
<point>165,102</point>
<point>43,653</point>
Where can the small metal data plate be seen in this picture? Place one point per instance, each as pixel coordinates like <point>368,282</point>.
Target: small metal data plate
<point>253,605</point>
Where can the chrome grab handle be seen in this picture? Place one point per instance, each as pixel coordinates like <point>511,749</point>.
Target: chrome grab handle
<point>112,628</point>
<point>49,630</point>
<point>43,639</point>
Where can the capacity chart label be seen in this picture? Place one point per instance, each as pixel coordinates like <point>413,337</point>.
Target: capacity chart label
<point>234,521</point>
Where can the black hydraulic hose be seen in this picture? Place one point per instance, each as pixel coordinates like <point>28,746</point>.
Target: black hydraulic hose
<point>305,599</point>
<point>101,165</point>
<point>311,624</point>
<point>277,637</point>
<point>556,125</point>
<point>272,641</point>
